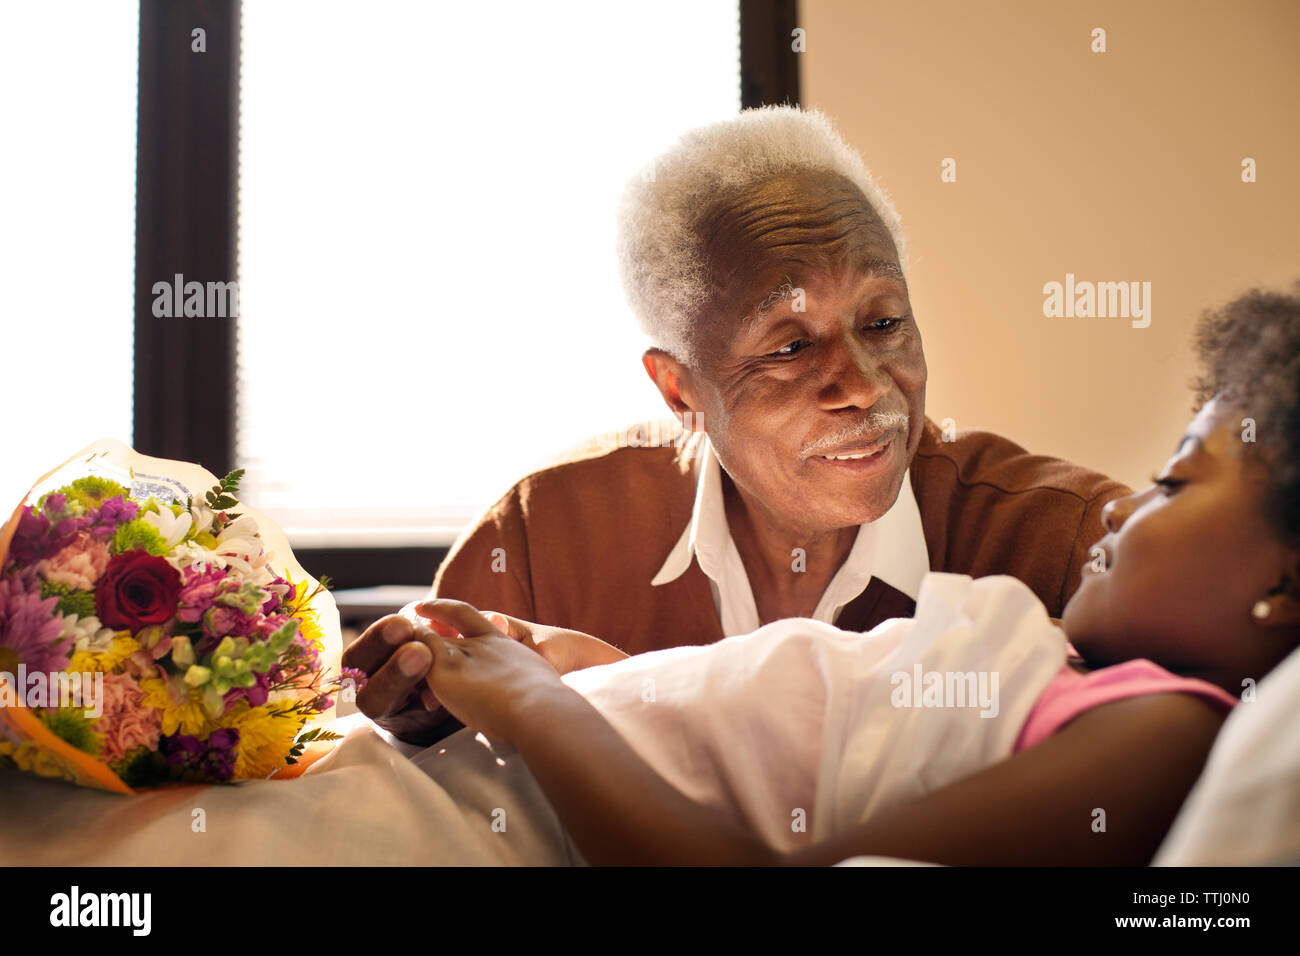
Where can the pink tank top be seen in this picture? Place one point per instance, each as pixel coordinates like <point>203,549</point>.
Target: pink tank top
<point>1070,693</point>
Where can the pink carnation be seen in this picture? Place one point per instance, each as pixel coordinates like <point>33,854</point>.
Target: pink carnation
<point>79,565</point>
<point>127,723</point>
<point>220,621</point>
<point>212,599</point>
<point>200,587</point>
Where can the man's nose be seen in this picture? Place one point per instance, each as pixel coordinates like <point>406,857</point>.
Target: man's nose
<point>853,376</point>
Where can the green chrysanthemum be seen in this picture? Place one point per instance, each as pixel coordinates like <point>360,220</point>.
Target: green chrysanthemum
<point>92,491</point>
<point>140,767</point>
<point>138,535</point>
<point>71,600</point>
<point>71,724</point>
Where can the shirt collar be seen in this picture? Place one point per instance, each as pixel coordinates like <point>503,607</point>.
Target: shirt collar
<point>891,548</point>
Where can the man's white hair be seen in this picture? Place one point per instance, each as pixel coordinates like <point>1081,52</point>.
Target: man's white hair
<point>661,257</point>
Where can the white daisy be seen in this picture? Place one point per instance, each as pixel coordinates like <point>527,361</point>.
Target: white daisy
<point>202,516</point>
<point>172,527</point>
<point>191,554</point>
<point>88,633</point>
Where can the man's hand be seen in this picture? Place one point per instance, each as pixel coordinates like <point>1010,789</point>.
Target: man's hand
<point>396,658</point>
<point>485,677</point>
<point>394,654</point>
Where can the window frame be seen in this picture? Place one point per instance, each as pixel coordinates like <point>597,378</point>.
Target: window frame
<point>187,220</point>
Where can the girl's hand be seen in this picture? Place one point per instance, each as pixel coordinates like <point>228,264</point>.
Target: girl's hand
<point>484,678</point>
<point>565,649</point>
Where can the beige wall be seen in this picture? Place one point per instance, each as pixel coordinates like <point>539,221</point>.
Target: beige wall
<point>1115,166</point>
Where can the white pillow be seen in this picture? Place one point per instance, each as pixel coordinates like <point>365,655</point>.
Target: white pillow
<point>1245,808</point>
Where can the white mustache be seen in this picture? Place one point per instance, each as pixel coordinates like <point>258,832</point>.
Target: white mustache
<point>873,425</point>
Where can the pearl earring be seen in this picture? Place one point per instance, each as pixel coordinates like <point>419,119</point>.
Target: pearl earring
<point>1261,611</point>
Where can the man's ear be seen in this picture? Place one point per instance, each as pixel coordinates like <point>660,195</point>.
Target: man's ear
<point>673,381</point>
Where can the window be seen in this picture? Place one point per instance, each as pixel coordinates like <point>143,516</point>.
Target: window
<point>417,202</point>
<point>68,199</point>
<point>429,297</point>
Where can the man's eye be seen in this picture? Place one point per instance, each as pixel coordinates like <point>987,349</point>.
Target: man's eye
<point>886,325</point>
<point>791,349</point>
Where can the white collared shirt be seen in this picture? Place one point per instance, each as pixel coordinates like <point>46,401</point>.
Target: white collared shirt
<point>891,548</point>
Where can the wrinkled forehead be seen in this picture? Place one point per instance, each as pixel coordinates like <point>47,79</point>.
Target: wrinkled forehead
<point>801,227</point>
<point>815,217</point>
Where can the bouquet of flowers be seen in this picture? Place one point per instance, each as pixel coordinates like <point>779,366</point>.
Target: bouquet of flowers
<point>149,634</point>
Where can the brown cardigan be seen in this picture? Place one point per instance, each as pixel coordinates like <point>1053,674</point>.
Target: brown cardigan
<point>576,544</point>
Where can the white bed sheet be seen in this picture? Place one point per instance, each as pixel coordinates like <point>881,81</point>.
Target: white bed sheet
<point>366,803</point>
<point>794,721</point>
<point>467,802</point>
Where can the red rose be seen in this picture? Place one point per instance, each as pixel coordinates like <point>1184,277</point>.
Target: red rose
<point>137,589</point>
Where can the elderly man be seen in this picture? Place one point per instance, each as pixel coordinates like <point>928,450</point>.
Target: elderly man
<point>767,268</point>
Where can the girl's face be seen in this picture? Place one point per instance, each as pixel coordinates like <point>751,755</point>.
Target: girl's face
<point>1187,560</point>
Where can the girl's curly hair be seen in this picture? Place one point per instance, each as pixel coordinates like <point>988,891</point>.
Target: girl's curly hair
<point>1249,350</point>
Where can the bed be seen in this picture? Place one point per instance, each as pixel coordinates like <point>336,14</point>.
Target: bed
<point>376,801</point>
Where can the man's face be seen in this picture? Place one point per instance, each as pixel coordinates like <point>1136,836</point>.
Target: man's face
<point>816,414</point>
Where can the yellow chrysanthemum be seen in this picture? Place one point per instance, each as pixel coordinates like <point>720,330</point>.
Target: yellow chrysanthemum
<point>106,662</point>
<point>309,626</point>
<point>299,606</point>
<point>186,717</point>
<point>264,740</point>
<point>33,759</point>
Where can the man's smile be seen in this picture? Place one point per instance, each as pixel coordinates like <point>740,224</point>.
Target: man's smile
<point>861,458</point>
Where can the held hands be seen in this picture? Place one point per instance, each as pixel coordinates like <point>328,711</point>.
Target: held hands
<point>394,652</point>
<point>395,661</point>
<point>484,677</point>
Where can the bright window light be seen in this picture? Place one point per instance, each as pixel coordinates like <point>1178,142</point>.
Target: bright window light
<point>67,243</point>
<point>429,296</point>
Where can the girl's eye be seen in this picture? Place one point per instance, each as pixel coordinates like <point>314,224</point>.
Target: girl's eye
<point>1167,484</point>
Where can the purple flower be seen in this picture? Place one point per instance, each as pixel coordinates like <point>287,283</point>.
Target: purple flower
<point>211,760</point>
<point>318,704</point>
<point>199,588</point>
<point>307,650</point>
<point>221,621</point>
<point>268,625</point>
<point>279,589</point>
<point>49,530</point>
<point>29,544</point>
<point>256,695</point>
<point>117,511</point>
<point>29,627</point>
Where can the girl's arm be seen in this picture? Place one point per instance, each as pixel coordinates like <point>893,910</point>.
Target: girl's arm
<point>1102,791</point>
<point>616,807</point>
<point>1134,759</point>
